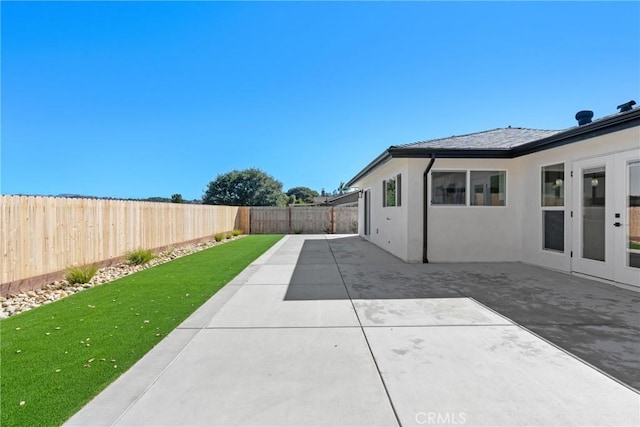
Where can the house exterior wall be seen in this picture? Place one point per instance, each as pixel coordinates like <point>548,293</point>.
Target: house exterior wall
<point>388,224</point>
<point>415,201</point>
<point>456,233</point>
<point>530,166</point>
<point>476,233</point>
<point>482,233</point>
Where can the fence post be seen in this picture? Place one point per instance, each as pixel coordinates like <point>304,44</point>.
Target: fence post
<point>333,221</point>
<point>81,231</point>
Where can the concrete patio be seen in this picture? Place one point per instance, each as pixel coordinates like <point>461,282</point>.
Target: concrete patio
<point>332,330</point>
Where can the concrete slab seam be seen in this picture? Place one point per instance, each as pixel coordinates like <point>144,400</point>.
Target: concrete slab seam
<point>366,340</point>
<point>223,299</point>
<point>579,359</point>
<point>277,327</point>
<point>157,378</point>
<point>456,325</point>
<point>269,253</point>
<point>184,349</point>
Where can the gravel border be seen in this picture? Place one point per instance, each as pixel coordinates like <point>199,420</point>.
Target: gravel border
<point>25,301</point>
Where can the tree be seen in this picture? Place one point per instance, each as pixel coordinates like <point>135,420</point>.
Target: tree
<point>342,188</point>
<point>177,198</point>
<point>249,187</point>
<point>301,195</point>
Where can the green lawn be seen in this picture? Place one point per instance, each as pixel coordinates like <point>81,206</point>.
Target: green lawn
<point>58,357</point>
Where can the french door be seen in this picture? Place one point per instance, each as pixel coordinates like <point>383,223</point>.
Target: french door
<point>606,221</point>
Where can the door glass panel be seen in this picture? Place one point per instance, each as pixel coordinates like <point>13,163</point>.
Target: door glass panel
<point>633,215</point>
<point>593,212</point>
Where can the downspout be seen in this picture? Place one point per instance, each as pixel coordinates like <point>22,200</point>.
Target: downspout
<point>425,260</point>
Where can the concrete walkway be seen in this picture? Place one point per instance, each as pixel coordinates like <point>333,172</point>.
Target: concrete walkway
<point>331,330</point>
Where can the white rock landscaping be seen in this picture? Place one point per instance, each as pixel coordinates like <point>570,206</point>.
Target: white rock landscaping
<point>25,301</point>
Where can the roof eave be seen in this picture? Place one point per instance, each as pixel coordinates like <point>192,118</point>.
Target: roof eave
<point>601,127</point>
<point>450,153</point>
<point>382,158</point>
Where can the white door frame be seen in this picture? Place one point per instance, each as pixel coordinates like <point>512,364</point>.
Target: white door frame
<point>614,267</point>
<point>603,269</point>
<point>624,273</point>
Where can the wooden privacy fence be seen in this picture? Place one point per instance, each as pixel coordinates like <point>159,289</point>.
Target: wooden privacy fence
<point>634,223</point>
<point>45,235</point>
<point>310,219</point>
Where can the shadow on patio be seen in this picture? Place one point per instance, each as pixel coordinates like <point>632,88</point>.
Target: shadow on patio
<point>597,322</point>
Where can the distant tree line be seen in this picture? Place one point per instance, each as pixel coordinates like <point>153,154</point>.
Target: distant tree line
<point>249,187</point>
<point>254,187</point>
<point>175,198</point>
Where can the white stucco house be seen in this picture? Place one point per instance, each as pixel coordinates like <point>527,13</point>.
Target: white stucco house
<point>566,200</point>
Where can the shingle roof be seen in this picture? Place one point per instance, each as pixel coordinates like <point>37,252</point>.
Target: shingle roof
<point>503,143</point>
<point>501,138</point>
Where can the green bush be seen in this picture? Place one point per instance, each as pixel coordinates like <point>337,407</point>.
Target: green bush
<point>140,256</point>
<point>236,232</point>
<point>228,235</point>
<point>81,275</point>
<point>297,231</point>
<point>218,236</point>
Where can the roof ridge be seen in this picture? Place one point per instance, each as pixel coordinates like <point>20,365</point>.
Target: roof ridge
<point>474,133</point>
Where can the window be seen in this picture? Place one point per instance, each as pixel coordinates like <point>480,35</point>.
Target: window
<point>552,205</point>
<point>488,188</point>
<point>391,191</point>
<point>448,188</point>
<point>553,185</point>
<point>553,226</point>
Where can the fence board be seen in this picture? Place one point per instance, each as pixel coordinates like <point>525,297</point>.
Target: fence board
<point>634,223</point>
<point>307,219</point>
<point>43,235</point>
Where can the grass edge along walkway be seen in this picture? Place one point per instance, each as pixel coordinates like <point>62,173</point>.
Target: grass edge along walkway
<point>56,358</point>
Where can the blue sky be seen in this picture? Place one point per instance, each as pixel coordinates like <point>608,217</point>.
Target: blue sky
<point>142,99</point>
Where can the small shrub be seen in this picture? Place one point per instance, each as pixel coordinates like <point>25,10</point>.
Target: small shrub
<point>218,236</point>
<point>297,231</point>
<point>236,232</point>
<point>80,275</point>
<point>228,235</point>
<point>140,256</point>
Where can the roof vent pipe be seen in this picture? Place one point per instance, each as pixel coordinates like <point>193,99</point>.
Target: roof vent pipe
<point>627,106</point>
<point>584,117</point>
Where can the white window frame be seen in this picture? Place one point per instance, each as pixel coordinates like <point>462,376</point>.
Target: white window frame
<point>467,196</point>
<point>466,191</point>
<point>397,178</point>
<point>506,180</point>
<point>544,209</point>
